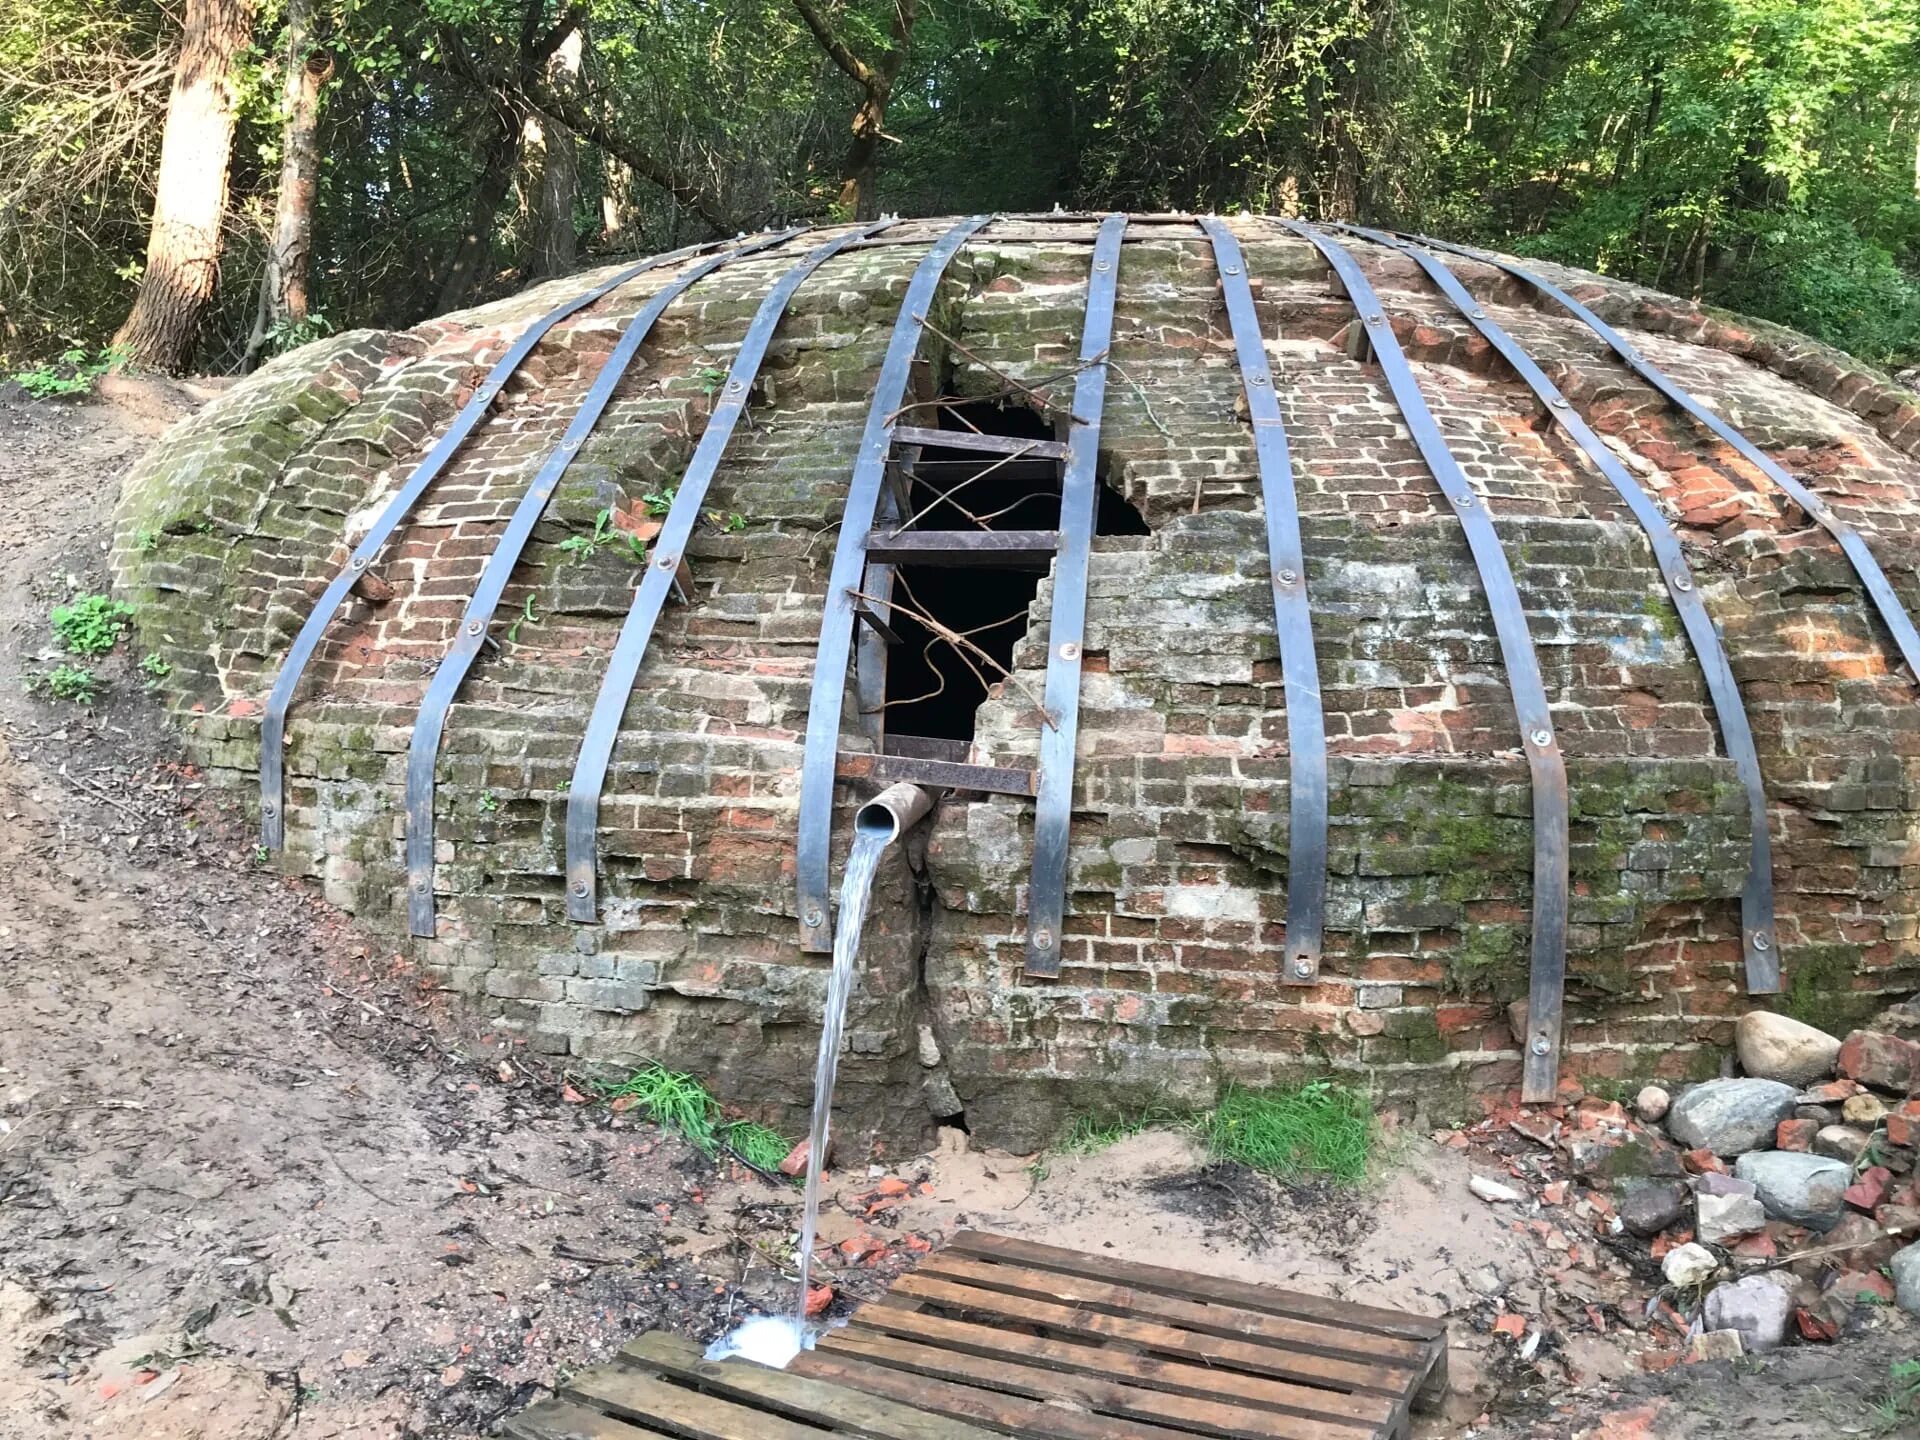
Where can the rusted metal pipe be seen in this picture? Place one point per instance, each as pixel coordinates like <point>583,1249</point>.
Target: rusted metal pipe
<point>893,812</point>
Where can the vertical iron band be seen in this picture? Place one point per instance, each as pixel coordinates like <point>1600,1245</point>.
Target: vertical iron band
<point>1872,578</point>
<point>273,722</point>
<point>656,582</point>
<point>424,749</point>
<point>813,845</point>
<point>1067,622</point>
<point>1545,764</point>
<point>1758,939</point>
<point>1293,621</point>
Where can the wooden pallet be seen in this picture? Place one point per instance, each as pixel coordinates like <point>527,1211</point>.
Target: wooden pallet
<point>994,1337</point>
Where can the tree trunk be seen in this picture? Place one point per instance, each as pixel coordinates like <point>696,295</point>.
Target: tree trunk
<point>190,198</point>
<point>616,195</point>
<point>859,194</point>
<point>556,244</point>
<point>476,241</point>
<point>284,301</point>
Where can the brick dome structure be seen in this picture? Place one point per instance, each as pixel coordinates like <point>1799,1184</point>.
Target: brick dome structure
<point>1335,655</point>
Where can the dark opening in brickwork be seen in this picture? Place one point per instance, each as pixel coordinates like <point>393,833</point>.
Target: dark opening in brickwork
<point>932,688</point>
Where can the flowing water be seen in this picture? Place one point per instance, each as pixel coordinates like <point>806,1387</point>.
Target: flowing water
<point>774,1340</point>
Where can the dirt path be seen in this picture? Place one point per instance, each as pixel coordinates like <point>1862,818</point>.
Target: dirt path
<point>257,1180</point>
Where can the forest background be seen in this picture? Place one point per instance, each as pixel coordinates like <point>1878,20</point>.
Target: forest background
<point>204,183</point>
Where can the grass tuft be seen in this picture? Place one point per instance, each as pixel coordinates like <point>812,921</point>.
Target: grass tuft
<point>678,1102</point>
<point>1090,1133</point>
<point>1321,1128</point>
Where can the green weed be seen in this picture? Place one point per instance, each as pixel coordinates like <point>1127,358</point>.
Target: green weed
<point>1901,1404</point>
<point>67,682</point>
<point>1090,1133</point>
<point>711,378</point>
<point>676,1101</point>
<point>488,802</point>
<point>658,502</point>
<point>156,668</point>
<point>1320,1128</point>
<point>525,617</point>
<point>760,1147</point>
<point>605,532</point>
<point>146,539</point>
<point>727,524</point>
<point>74,373</point>
<point>91,624</point>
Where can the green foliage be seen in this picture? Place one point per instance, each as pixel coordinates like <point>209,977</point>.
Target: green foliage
<point>73,373</point>
<point>580,548</point>
<point>91,624</point>
<point>67,682</point>
<point>527,616</point>
<point>1900,1405</point>
<point>292,334</point>
<point>1320,1128</point>
<point>760,1147</point>
<point>156,668</point>
<point>1089,1134</point>
<point>658,502</point>
<point>676,1101</point>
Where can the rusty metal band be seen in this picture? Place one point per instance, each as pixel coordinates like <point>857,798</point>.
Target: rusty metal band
<point>1292,618</point>
<point>1759,941</point>
<point>656,582</point>
<point>1067,621</point>
<point>424,748</point>
<point>822,744</point>
<point>1548,963</point>
<point>273,724</point>
<point>1872,578</point>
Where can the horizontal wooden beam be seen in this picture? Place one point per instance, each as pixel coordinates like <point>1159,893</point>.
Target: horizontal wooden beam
<point>936,774</point>
<point>970,440</point>
<point>1003,549</point>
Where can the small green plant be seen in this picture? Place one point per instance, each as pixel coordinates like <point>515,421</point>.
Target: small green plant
<point>74,373</point>
<point>658,502</point>
<point>711,378</point>
<point>91,624</point>
<point>292,334</point>
<point>727,524</point>
<point>525,617</point>
<point>1900,1406</point>
<point>676,1101</point>
<point>760,1147</point>
<point>605,532</point>
<point>156,668</point>
<point>488,802</point>
<point>1320,1128</point>
<point>67,682</point>
<point>146,539</point>
<point>262,857</point>
<point>1091,1133</point>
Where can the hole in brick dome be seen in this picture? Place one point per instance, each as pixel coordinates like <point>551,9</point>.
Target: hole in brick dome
<point>930,689</point>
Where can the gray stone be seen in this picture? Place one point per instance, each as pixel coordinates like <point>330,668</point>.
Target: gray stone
<point>1804,1189</point>
<point>1759,1307</point>
<point>1730,1117</point>
<point>1650,1208</point>
<point>1714,1183</point>
<point>1841,1142</point>
<point>1722,1219</point>
<point>1822,1115</point>
<point>1778,1047</point>
<point>1652,1104</point>
<point>1906,1279</point>
<point>1689,1264</point>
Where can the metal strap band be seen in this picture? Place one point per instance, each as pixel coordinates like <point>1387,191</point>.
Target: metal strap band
<point>811,857</point>
<point>1548,968</point>
<point>273,724</point>
<point>1067,624</point>
<point>424,749</point>
<point>1292,618</point>
<point>623,669</point>
<point>1756,900</point>
<point>1873,579</point>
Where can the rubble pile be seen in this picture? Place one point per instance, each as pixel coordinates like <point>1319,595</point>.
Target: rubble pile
<point>1774,1206</point>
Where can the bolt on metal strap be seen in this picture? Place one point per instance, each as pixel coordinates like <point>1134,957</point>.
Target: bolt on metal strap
<point>656,582</point>
<point>813,844</point>
<point>1293,621</point>
<point>1545,764</point>
<point>424,749</point>
<point>273,722</point>
<point>1756,898</point>
<point>1067,623</point>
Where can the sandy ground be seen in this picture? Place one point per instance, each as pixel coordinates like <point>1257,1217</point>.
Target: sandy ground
<point>258,1180</point>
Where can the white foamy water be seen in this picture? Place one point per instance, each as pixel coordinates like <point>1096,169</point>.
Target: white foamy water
<point>771,1340</point>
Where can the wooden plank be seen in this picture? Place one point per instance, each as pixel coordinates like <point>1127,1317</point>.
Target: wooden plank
<point>786,1392</point>
<point>1372,1412</point>
<point>557,1420</point>
<point>1240,1354</point>
<point>1371,1319</point>
<point>1122,1412</point>
<point>984,444</point>
<point>965,549</point>
<point>1237,1322</point>
<point>940,774</point>
<point>685,1413</point>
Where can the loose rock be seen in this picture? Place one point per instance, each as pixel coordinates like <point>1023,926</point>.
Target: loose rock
<point>1723,1219</point>
<point>1688,1265</point>
<point>1841,1142</point>
<point>1805,1189</point>
<point>1906,1279</point>
<point>1652,1104</point>
<point>1875,1058</point>
<point>1650,1208</point>
<point>1865,1109</point>
<point>1492,1191</point>
<point>1715,1345</point>
<point>1759,1307</point>
<point>1730,1117</point>
<point>1778,1047</point>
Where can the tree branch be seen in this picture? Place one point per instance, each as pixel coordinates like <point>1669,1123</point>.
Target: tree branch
<point>861,72</point>
<point>548,45</point>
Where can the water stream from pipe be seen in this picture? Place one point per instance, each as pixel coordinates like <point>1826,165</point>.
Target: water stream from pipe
<point>775,1340</point>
